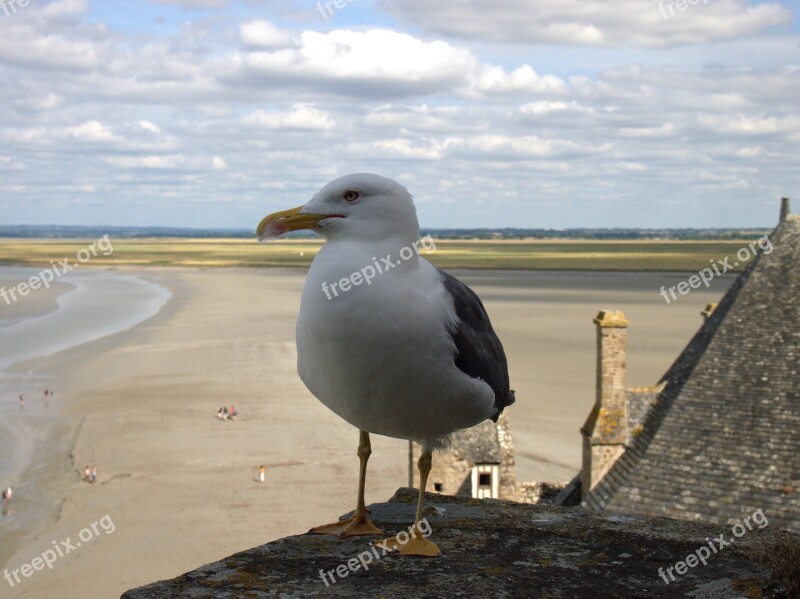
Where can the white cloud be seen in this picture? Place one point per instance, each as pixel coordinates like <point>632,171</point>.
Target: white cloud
<point>24,46</point>
<point>665,130</point>
<point>426,119</point>
<point>62,9</point>
<point>148,126</point>
<point>593,22</point>
<point>512,147</point>
<point>379,63</point>
<point>301,116</point>
<point>121,120</point>
<point>45,102</point>
<point>744,125</point>
<point>522,80</point>
<point>406,148</point>
<point>91,131</point>
<point>264,34</point>
<point>373,62</point>
<point>544,107</point>
<point>147,162</point>
<point>7,163</point>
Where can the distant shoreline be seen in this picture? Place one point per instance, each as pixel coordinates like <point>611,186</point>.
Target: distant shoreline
<point>629,255</point>
<point>66,232</point>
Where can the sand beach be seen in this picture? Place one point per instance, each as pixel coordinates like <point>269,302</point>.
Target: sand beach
<point>178,488</point>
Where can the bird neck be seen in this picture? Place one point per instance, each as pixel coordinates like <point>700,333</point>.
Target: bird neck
<point>340,258</point>
<point>394,246</point>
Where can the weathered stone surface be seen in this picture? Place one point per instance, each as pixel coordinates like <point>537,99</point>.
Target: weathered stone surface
<point>496,548</point>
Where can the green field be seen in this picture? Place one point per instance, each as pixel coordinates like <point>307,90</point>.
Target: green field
<point>532,255</point>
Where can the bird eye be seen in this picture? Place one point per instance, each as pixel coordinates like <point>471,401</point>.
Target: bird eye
<point>351,196</point>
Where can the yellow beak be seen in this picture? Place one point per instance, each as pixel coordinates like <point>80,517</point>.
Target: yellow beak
<point>278,223</point>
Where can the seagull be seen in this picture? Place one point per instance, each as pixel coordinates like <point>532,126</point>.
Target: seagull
<point>387,341</point>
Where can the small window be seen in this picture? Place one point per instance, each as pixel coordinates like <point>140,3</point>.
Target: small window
<point>485,480</point>
<point>438,487</point>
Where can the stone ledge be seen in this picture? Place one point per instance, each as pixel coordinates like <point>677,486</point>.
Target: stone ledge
<point>497,548</point>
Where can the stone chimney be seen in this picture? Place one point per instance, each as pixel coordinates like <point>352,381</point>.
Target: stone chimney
<point>785,209</point>
<point>605,433</point>
<point>709,310</point>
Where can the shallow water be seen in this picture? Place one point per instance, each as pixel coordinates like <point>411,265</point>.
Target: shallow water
<point>95,305</point>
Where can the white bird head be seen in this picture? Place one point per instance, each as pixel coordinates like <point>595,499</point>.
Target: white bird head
<point>361,206</point>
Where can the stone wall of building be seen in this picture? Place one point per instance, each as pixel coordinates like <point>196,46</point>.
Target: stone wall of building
<point>508,465</point>
<point>450,472</point>
<point>539,492</point>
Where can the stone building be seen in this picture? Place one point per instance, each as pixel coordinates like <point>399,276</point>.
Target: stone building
<point>480,464</point>
<point>719,436</point>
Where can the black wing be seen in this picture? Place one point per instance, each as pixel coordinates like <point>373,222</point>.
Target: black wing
<point>479,352</point>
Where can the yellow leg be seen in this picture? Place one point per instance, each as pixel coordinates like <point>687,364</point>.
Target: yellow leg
<point>416,544</point>
<point>358,523</point>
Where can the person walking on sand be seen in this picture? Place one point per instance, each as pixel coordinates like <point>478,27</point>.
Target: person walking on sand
<point>93,475</point>
<point>7,494</point>
<point>87,473</point>
<point>261,472</point>
<point>21,401</point>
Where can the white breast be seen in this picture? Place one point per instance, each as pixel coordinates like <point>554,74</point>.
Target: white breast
<point>380,355</point>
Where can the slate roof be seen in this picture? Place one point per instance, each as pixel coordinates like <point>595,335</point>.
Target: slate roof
<point>722,439</point>
<point>479,444</point>
<point>640,401</point>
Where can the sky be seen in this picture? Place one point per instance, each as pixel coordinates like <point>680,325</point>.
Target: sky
<point>515,113</point>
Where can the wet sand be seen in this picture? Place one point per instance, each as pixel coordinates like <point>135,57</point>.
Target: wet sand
<point>181,486</point>
<point>40,301</point>
<point>36,438</point>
